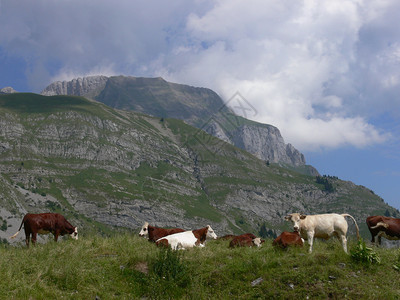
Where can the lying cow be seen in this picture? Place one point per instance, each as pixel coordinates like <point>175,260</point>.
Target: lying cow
<point>246,240</point>
<point>154,233</point>
<point>322,226</point>
<point>232,236</point>
<point>45,223</point>
<point>381,226</point>
<point>286,239</point>
<point>188,239</point>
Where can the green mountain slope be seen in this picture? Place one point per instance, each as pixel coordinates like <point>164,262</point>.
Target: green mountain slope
<point>105,167</point>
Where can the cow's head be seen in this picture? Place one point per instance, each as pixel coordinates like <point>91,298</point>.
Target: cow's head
<point>145,230</point>
<point>295,218</point>
<point>258,241</point>
<point>74,234</point>
<point>210,233</point>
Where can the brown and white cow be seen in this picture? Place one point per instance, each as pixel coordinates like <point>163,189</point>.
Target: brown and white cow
<point>381,226</point>
<point>322,226</point>
<point>246,240</point>
<point>154,233</point>
<point>188,239</point>
<point>45,223</point>
<point>286,239</point>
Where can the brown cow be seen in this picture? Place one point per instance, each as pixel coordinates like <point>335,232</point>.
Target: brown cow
<point>232,236</point>
<point>286,239</point>
<point>154,233</point>
<point>246,240</point>
<point>386,227</point>
<point>45,223</point>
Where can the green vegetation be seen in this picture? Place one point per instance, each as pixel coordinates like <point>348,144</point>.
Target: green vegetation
<point>326,181</point>
<point>125,266</point>
<point>363,254</point>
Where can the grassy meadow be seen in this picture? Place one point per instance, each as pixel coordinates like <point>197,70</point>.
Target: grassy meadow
<point>125,266</point>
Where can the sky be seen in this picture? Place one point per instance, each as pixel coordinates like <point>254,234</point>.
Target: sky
<point>326,73</point>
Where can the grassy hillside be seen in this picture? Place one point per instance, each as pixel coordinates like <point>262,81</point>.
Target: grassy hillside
<point>125,266</point>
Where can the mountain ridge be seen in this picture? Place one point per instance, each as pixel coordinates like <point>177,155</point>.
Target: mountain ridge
<point>199,107</point>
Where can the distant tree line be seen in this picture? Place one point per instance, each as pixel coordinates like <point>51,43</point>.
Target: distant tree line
<point>326,182</point>
<point>266,233</point>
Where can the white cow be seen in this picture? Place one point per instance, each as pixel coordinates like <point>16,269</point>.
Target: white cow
<point>188,239</point>
<point>321,226</point>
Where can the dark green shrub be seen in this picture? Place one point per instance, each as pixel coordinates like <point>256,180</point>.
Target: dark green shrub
<point>362,253</point>
<point>169,266</point>
<point>169,275</point>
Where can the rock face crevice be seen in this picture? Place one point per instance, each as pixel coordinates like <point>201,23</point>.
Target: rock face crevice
<point>199,107</point>
<point>78,87</point>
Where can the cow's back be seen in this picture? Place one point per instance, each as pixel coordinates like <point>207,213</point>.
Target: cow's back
<point>286,239</point>
<point>155,233</point>
<point>44,221</point>
<point>323,225</point>
<point>373,220</point>
<point>241,241</point>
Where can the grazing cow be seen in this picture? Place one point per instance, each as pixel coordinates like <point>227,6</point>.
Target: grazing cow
<point>155,233</point>
<point>188,239</point>
<point>45,223</point>
<point>322,226</point>
<point>286,239</point>
<point>246,240</point>
<point>386,227</point>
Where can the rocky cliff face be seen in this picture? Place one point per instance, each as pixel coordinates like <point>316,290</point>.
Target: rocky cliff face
<point>78,87</point>
<point>254,139</point>
<point>199,107</point>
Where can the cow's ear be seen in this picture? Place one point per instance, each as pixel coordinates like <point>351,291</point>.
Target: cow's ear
<point>303,217</point>
<point>288,217</point>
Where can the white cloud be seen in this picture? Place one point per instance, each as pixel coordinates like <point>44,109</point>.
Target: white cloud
<point>296,63</point>
<point>318,70</point>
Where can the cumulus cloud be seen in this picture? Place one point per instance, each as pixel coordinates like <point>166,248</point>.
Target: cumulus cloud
<point>318,70</point>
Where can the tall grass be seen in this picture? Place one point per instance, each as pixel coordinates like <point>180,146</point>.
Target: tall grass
<point>128,267</point>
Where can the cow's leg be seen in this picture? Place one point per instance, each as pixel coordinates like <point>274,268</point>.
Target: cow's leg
<point>310,239</point>
<point>34,236</point>
<point>373,238</point>
<point>27,237</point>
<point>379,239</point>
<point>56,234</point>
<point>344,242</point>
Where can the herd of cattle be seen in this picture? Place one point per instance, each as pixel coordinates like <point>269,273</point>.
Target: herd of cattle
<point>306,227</point>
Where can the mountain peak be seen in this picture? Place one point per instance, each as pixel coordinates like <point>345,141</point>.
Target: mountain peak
<point>7,90</point>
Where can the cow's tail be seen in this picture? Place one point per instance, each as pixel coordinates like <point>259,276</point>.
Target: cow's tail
<point>355,223</point>
<point>380,224</point>
<point>22,223</point>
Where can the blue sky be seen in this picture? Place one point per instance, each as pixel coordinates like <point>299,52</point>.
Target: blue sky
<point>326,73</point>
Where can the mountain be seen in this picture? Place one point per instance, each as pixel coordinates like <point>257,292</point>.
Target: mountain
<point>104,167</point>
<point>199,107</point>
<point>7,90</point>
